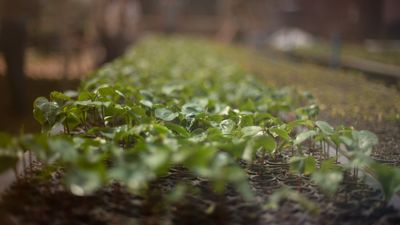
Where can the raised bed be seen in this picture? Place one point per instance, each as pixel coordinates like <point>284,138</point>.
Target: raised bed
<point>176,132</point>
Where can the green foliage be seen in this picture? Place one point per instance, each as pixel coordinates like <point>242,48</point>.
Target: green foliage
<point>328,177</point>
<point>303,165</point>
<point>285,193</point>
<point>388,177</point>
<point>325,127</point>
<point>165,114</point>
<point>45,112</point>
<point>302,137</point>
<point>174,103</point>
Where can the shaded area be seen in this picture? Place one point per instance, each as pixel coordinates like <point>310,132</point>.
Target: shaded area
<point>43,194</point>
<point>13,122</point>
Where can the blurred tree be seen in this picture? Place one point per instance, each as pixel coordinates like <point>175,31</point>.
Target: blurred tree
<point>69,40</point>
<point>228,27</point>
<point>117,25</point>
<point>242,19</point>
<point>170,10</point>
<point>14,17</point>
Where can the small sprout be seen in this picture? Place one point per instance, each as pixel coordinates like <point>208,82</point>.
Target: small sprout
<point>302,165</point>
<point>302,137</point>
<point>285,193</point>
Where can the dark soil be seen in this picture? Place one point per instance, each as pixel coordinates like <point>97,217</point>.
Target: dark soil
<point>42,200</point>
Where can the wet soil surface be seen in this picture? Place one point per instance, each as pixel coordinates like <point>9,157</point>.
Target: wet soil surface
<point>38,200</point>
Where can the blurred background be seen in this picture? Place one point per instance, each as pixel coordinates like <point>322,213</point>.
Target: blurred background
<point>49,45</point>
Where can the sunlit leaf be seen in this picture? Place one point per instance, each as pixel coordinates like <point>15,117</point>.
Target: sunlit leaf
<point>325,127</point>
<point>302,165</point>
<point>279,132</point>
<point>227,126</point>
<point>388,177</point>
<point>251,130</point>
<point>165,114</point>
<point>302,137</point>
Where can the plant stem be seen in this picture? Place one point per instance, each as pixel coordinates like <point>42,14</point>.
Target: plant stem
<point>102,115</point>
<point>337,154</point>
<point>30,160</point>
<point>15,170</point>
<point>322,150</point>
<point>23,165</point>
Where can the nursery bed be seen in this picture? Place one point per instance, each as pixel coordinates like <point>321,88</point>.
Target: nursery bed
<point>124,130</point>
<point>37,201</point>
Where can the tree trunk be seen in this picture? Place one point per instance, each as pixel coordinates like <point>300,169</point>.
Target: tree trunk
<point>13,43</point>
<point>114,22</point>
<point>228,27</point>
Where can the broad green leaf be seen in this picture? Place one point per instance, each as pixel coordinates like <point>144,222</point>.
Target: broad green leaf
<point>227,126</point>
<point>266,142</point>
<point>325,127</point>
<point>308,112</point>
<point>328,177</point>
<point>286,193</point>
<point>246,120</point>
<point>215,134</point>
<point>146,103</point>
<point>300,138</point>
<point>200,157</point>
<point>158,129</point>
<point>192,109</point>
<point>249,151</point>
<point>178,129</point>
<point>59,98</point>
<point>85,95</point>
<point>365,140</point>
<point>165,114</point>
<point>388,177</point>
<point>348,141</point>
<point>158,161</point>
<point>328,181</point>
<point>296,123</point>
<point>83,182</point>
<point>199,137</point>
<point>105,90</point>
<point>302,165</point>
<point>64,147</point>
<point>250,130</point>
<point>336,139</point>
<point>279,132</point>
<point>45,112</point>
<point>248,105</point>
